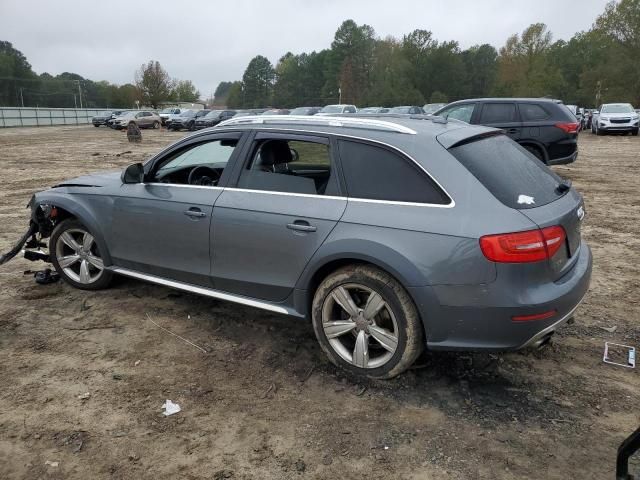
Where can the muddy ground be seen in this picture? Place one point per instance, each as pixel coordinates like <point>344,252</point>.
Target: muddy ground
<point>263,402</point>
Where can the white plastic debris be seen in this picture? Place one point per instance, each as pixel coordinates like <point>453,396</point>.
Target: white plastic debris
<point>170,408</point>
<point>51,464</point>
<point>84,396</point>
<point>136,363</point>
<point>525,200</point>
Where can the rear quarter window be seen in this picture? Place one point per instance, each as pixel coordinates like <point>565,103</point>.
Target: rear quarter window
<point>509,172</point>
<point>377,173</point>
<point>531,112</point>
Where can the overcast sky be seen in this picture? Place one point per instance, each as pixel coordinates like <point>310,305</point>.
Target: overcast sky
<point>211,41</point>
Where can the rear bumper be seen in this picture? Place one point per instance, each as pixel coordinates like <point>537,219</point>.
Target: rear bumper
<point>564,160</point>
<point>479,317</point>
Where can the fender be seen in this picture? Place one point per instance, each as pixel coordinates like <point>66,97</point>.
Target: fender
<point>78,206</point>
<point>377,254</point>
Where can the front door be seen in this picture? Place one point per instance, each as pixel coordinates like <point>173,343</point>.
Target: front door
<point>285,203</point>
<point>162,226</point>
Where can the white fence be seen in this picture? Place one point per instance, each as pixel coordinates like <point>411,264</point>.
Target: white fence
<point>41,117</point>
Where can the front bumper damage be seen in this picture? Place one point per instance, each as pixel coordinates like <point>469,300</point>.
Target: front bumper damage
<point>40,226</point>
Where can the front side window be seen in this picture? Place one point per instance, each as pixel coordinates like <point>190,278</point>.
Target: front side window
<point>290,166</point>
<point>460,112</point>
<point>200,164</point>
<point>498,113</point>
<point>377,173</point>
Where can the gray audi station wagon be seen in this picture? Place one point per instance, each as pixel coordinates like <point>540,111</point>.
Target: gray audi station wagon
<point>390,234</point>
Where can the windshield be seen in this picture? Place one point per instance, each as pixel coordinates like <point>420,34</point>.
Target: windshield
<point>617,108</point>
<point>167,110</point>
<point>188,113</point>
<point>300,111</point>
<point>400,110</point>
<point>332,109</point>
<point>433,107</point>
<point>213,114</point>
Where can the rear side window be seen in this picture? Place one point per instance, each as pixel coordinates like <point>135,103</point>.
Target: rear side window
<point>460,112</point>
<point>498,113</point>
<point>530,112</point>
<point>377,173</point>
<point>509,172</point>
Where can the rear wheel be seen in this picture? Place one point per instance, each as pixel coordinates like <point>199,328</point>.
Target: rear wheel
<point>76,256</point>
<point>634,132</point>
<point>156,125</point>
<point>366,322</point>
<point>536,152</point>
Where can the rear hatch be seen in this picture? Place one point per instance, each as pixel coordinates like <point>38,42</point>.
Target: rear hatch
<point>522,182</point>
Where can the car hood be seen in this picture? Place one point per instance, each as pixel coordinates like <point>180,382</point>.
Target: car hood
<point>99,179</point>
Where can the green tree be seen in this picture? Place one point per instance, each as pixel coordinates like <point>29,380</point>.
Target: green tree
<point>221,94</point>
<point>184,91</point>
<point>481,68</point>
<point>234,98</point>
<point>257,83</point>
<point>154,83</point>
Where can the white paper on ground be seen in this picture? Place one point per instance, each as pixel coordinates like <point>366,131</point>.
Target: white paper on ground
<point>170,408</point>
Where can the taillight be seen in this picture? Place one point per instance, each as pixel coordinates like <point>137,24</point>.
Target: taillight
<point>568,127</point>
<point>523,247</point>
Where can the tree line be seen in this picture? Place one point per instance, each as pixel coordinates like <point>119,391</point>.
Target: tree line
<point>594,66</point>
<point>21,86</point>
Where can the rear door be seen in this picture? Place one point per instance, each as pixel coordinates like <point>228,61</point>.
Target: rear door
<point>266,228</point>
<point>460,111</point>
<point>501,115</point>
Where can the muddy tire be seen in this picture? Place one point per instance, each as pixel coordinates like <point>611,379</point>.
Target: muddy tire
<point>366,322</point>
<point>76,256</point>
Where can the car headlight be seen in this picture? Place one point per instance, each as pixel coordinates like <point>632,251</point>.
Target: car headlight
<point>604,119</point>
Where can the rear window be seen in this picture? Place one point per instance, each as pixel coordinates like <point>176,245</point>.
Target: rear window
<point>509,172</point>
<point>531,112</point>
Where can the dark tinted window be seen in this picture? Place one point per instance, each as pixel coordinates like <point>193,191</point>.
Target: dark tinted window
<point>509,172</point>
<point>379,174</point>
<point>498,112</point>
<point>530,112</point>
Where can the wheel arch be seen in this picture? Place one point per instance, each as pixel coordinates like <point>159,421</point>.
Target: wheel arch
<point>538,145</point>
<point>74,208</point>
<point>341,253</point>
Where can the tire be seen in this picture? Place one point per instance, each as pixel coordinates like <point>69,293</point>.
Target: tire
<point>599,132</point>
<point>96,125</point>
<point>85,272</point>
<point>536,152</point>
<point>192,126</point>
<point>397,322</point>
<point>156,125</point>
<point>634,132</point>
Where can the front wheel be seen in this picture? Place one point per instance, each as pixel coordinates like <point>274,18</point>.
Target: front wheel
<point>76,256</point>
<point>634,132</point>
<point>156,125</point>
<point>366,322</point>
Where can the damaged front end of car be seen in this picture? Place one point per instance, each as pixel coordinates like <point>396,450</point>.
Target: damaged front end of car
<point>43,220</point>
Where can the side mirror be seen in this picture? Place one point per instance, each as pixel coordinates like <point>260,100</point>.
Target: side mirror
<point>134,173</point>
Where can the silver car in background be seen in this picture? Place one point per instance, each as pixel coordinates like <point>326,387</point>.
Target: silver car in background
<point>617,118</point>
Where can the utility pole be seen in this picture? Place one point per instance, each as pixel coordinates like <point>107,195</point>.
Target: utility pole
<point>79,93</point>
<point>21,98</point>
<point>598,91</point>
<point>75,105</point>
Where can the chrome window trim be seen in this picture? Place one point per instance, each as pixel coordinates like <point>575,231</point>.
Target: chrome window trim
<point>209,292</point>
<point>452,203</point>
<point>212,187</point>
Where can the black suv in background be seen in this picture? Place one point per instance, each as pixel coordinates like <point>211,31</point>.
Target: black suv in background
<point>101,118</point>
<point>543,126</point>
<point>187,120</point>
<point>213,118</point>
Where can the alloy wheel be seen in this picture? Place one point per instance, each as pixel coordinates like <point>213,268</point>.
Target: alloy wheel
<point>78,256</point>
<point>360,325</point>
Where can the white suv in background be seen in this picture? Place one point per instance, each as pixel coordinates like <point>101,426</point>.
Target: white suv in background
<point>334,109</point>
<point>615,117</point>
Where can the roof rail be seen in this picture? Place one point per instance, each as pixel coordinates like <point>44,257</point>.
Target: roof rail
<point>365,123</point>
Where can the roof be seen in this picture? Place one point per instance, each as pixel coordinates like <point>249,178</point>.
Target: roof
<point>508,99</point>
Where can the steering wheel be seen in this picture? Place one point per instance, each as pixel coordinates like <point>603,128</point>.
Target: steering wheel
<point>203,175</point>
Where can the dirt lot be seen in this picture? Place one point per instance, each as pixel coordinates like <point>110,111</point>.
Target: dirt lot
<point>263,402</point>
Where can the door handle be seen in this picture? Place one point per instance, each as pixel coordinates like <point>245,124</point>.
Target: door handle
<point>512,130</point>
<point>195,213</point>
<point>301,226</point>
